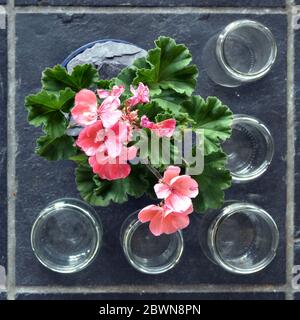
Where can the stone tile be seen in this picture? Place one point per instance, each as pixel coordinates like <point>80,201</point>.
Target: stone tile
<point>2,296</point>
<point>38,46</point>
<point>297,296</point>
<point>3,154</point>
<point>152,3</point>
<point>297,159</point>
<point>158,296</point>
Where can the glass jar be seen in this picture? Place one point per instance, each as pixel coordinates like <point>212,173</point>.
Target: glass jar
<point>241,237</point>
<point>244,51</point>
<point>66,235</point>
<point>148,253</point>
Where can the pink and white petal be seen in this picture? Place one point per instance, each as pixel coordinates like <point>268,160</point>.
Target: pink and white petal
<point>132,102</point>
<point>117,91</point>
<point>162,190</point>
<point>87,98</point>
<point>156,224</point>
<point>178,203</point>
<point>188,211</point>
<point>87,139</point>
<point>97,168</point>
<point>117,171</point>
<point>143,93</point>
<point>185,185</point>
<point>102,94</point>
<point>179,220</point>
<point>112,171</point>
<point>122,130</point>
<point>109,104</point>
<point>101,155</point>
<point>146,123</point>
<point>112,143</point>
<point>110,118</point>
<point>131,152</point>
<point>168,226</point>
<point>84,115</point>
<point>170,173</point>
<point>147,213</point>
<point>165,128</point>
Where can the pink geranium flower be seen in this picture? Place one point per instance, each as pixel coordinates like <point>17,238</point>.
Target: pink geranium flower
<point>164,128</point>
<point>140,95</point>
<point>115,92</point>
<point>107,149</point>
<point>176,190</point>
<point>87,112</point>
<point>164,219</point>
<point>110,168</point>
<point>85,109</point>
<point>91,138</point>
<point>108,111</point>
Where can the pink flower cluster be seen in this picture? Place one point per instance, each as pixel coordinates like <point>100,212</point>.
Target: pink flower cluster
<point>108,128</point>
<point>172,214</point>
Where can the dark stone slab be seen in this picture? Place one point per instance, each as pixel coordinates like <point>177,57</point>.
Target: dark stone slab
<point>158,296</point>
<point>2,296</point>
<point>40,182</point>
<point>152,3</point>
<point>297,296</point>
<point>3,154</point>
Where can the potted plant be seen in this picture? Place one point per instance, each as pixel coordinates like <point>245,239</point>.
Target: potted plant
<point>102,125</point>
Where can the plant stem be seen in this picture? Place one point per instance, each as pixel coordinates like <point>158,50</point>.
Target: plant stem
<point>154,171</point>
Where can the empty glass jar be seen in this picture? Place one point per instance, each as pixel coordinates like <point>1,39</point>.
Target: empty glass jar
<point>67,235</point>
<point>241,237</point>
<point>244,51</point>
<point>148,253</point>
<point>250,148</point>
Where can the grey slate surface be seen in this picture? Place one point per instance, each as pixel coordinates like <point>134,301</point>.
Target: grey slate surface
<point>151,3</point>
<point>265,99</point>
<point>160,296</point>
<point>3,154</point>
<point>297,156</point>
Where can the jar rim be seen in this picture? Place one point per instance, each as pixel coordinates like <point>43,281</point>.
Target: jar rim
<point>228,212</point>
<point>89,213</point>
<point>238,75</point>
<point>265,132</point>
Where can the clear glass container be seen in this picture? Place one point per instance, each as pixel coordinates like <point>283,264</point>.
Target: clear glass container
<point>67,235</point>
<point>148,253</point>
<point>244,51</point>
<point>250,148</point>
<point>241,237</point>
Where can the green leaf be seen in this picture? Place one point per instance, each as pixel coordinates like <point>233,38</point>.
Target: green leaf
<point>100,192</point>
<point>211,116</point>
<point>167,66</point>
<point>149,109</point>
<point>60,148</point>
<point>104,84</point>
<point>169,100</point>
<point>212,181</point>
<point>46,108</point>
<point>57,78</point>
<point>88,188</point>
<point>125,77</point>
<point>80,159</point>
